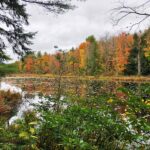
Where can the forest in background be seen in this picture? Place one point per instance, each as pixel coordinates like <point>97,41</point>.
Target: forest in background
<point>124,54</point>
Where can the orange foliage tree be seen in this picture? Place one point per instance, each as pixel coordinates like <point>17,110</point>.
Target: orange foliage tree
<point>124,44</point>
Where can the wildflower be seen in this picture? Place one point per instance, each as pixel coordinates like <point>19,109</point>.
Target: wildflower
<point>110,100</point>
<point>147,102</point>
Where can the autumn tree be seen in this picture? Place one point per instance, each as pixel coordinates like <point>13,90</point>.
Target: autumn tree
<point>82,55</point>
<point>28,63</point>
<point>42,63</point>
<point>109,56</point>
<point>61,62</point>
<point>114,52</point>
<point>107,48</point>
<point>73,61</point>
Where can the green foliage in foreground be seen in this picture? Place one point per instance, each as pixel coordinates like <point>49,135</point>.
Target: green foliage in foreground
<point>91,123</point>
<point>8,69</point>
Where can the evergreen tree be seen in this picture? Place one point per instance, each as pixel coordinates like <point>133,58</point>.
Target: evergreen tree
<point>39,55</point>
<point>13,17</point>
<point>93,57</point>
<point>145,45</point>
<point>132,66</point>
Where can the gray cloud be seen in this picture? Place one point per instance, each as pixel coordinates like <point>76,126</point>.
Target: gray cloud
<point>70,29</point>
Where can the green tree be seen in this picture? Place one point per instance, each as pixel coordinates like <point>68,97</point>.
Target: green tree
<point>138,64</point>
<point>145,46</point>
<point>93,57</point>
<point>39,55</point>
<point>131,67</point>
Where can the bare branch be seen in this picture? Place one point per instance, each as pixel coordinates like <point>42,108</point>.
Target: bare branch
<point>138,23</point>
<point>143,4</point>
<point>124,11</point>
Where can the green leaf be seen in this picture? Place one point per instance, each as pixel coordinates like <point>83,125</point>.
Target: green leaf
<point>32,130</point>
<point>33,123</point>
<point>24,135</point>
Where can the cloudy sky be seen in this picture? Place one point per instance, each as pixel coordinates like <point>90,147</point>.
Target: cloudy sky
<point>70,29</point>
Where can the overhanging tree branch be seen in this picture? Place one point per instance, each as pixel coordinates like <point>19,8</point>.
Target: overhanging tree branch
<point>57,6</point>
<point>124,11</point>
<point>13,18</point>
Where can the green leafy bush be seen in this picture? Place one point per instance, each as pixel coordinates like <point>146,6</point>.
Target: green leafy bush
<point>8,69</point>
<point>85,123</point>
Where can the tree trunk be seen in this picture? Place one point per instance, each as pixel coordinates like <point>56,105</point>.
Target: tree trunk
<point>139,62</point>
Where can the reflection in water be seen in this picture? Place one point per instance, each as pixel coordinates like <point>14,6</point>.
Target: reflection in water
<point>27,100</point>
<point>5,87</point>
<point>27,104</point>
<point>84,88</point>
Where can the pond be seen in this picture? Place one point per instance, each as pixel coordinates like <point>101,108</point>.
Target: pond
<point>91,105</point>
<point>35,91</point>
<point>27,100</point>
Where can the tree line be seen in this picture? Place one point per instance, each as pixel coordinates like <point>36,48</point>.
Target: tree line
<point>124,54</point>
